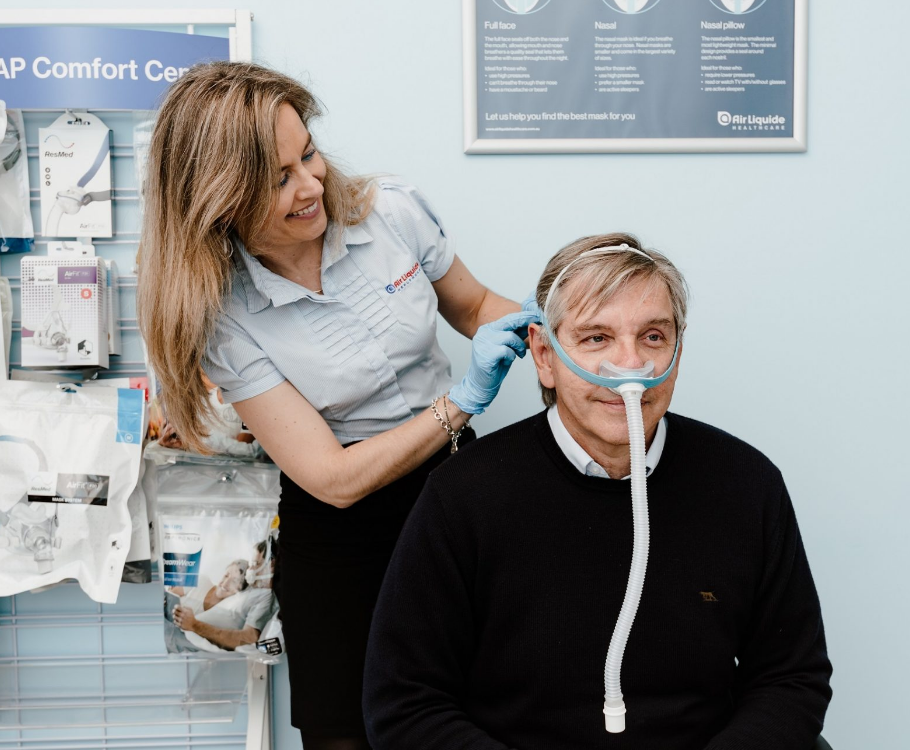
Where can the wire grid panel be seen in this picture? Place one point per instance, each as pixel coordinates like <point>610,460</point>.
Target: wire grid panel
<point>75,674</point>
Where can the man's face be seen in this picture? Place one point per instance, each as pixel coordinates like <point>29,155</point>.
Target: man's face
<point>634,327</point>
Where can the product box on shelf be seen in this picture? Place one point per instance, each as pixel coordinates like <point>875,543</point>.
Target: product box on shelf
<point>64,313</point>
<point>74,164</point>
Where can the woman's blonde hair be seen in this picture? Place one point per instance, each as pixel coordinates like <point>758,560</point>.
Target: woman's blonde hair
<point>600,278</point>
<point>213,173</point>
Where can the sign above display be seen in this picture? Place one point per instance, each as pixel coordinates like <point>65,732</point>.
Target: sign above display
<point>549,76</point>
<point>87,67</point>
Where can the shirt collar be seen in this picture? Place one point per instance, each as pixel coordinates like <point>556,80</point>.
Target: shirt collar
<point>262,286</point>
<point>579,458</point>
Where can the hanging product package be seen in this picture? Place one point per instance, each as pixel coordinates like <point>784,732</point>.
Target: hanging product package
<point>227,435</point>
<point>137,568</point>
<point>16,230</point>
<point>74,159</point>
<point>217,557</point>
<point>64,312</point>
<point>69,460</point>
<point>6,326</point>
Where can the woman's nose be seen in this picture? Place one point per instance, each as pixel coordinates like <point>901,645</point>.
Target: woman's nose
<point>309,186</point>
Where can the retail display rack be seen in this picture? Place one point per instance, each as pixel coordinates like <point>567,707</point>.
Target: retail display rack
<point>75,674</point>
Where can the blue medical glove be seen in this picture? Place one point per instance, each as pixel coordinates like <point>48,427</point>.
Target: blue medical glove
<point>493,350</point>
<point>529,304</point>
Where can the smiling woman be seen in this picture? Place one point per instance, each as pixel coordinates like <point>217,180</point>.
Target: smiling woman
<point>310,298</point>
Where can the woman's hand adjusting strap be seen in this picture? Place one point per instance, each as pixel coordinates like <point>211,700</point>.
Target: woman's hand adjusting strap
<point>494,348</point>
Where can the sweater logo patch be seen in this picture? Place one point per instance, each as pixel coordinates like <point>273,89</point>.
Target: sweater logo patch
<point>708,596</point>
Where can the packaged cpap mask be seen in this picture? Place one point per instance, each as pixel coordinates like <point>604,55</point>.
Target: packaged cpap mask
<point>216,555</point>
<point>74,164</point>
<point>69,462</point>
<point>74,250</point>
<point>64,312</point>
<point>16,230</point>
<point>6,326</point>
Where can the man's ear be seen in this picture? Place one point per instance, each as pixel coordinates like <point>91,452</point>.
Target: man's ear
<point>543,356</point>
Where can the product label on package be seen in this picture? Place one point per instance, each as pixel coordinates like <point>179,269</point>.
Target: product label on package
<point>77,489</point>
<point>72,275</point>
<point>182,555</point>
<point>270,646</point>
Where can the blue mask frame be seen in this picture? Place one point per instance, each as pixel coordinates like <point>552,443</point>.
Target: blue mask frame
<point>600,379</point>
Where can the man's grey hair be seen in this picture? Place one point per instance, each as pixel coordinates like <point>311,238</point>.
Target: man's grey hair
<point>601,276</point>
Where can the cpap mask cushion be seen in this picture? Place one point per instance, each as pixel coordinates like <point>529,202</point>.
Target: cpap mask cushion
<point>611,376</point>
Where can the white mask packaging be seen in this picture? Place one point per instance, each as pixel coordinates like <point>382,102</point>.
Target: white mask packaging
<point>74,164</point>
<point>64,312</point>
<point>69,461</point>
<point>16,230</point>
<point>213,528</point>
<point>6,326</point>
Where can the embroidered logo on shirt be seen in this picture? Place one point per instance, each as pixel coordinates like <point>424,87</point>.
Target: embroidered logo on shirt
<point>708,596</point>
<point>402,281</point>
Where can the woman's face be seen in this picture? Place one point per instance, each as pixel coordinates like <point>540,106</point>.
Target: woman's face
<point>232,580</point>
<point>298,215</point>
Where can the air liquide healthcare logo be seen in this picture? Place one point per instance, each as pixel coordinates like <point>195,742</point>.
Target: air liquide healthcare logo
<point>751,122</point>
<point>402,281</point>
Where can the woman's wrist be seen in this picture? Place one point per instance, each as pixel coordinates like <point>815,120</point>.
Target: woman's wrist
<point>458,418</point>
<point>452,419</point>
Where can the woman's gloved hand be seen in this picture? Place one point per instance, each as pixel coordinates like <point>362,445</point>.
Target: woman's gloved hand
<point>529,304</point>
<point>494,348</point>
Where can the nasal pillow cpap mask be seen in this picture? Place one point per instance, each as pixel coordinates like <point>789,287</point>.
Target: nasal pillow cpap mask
<point>629,383</point>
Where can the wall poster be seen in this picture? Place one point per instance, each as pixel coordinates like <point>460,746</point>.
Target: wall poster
<point>587,76</point>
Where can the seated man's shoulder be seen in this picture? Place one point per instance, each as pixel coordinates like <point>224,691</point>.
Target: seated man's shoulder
<point>491,459</point>
<point>706,444</point>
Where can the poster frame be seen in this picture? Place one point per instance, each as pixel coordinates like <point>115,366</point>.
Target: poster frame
<point>473,144</point>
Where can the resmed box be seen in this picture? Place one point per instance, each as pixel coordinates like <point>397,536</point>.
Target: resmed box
<point>74,164</point>
<point>64,313</point>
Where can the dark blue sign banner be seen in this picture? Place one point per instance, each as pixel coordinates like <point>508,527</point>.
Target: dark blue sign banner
<point>91,67</point>
<point>657,74</point>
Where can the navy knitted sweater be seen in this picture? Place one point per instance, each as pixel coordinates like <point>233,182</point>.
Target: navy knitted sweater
<point>496,613</point>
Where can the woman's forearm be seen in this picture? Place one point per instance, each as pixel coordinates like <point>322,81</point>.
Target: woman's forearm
<point>372,464</point>
<point>298,439</point>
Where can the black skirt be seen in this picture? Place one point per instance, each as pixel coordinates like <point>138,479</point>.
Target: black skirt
<point>330,569</point>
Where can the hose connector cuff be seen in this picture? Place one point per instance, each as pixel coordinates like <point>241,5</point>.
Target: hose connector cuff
<point>615,718</point>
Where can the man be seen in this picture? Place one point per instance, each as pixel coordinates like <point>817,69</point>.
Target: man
<point>251,608</point>
<point>496,613</point>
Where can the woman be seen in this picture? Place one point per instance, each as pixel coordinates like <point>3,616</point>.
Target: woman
<point>310,299</point>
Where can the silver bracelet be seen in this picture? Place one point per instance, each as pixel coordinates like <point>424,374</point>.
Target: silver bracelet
<point>446,422</point>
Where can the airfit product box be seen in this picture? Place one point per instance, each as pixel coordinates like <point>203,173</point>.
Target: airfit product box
<point>74,164</point>
<point>64,313</point>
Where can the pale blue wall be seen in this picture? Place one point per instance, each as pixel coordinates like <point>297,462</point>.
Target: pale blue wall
<point>798,264</point>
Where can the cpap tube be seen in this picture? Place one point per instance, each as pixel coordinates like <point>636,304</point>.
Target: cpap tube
<point>614,707</point>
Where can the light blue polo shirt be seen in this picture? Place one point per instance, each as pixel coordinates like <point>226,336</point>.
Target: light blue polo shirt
<point>364,352</point>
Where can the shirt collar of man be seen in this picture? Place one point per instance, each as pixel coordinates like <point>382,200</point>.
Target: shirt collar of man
<point>579,458</point>
<point>263,286</point>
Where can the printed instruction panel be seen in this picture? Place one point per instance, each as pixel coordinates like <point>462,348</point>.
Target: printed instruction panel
<point>558,69</point>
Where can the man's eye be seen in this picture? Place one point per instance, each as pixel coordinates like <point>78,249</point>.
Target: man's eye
<point>597,339</point>
<point>654,337</point>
